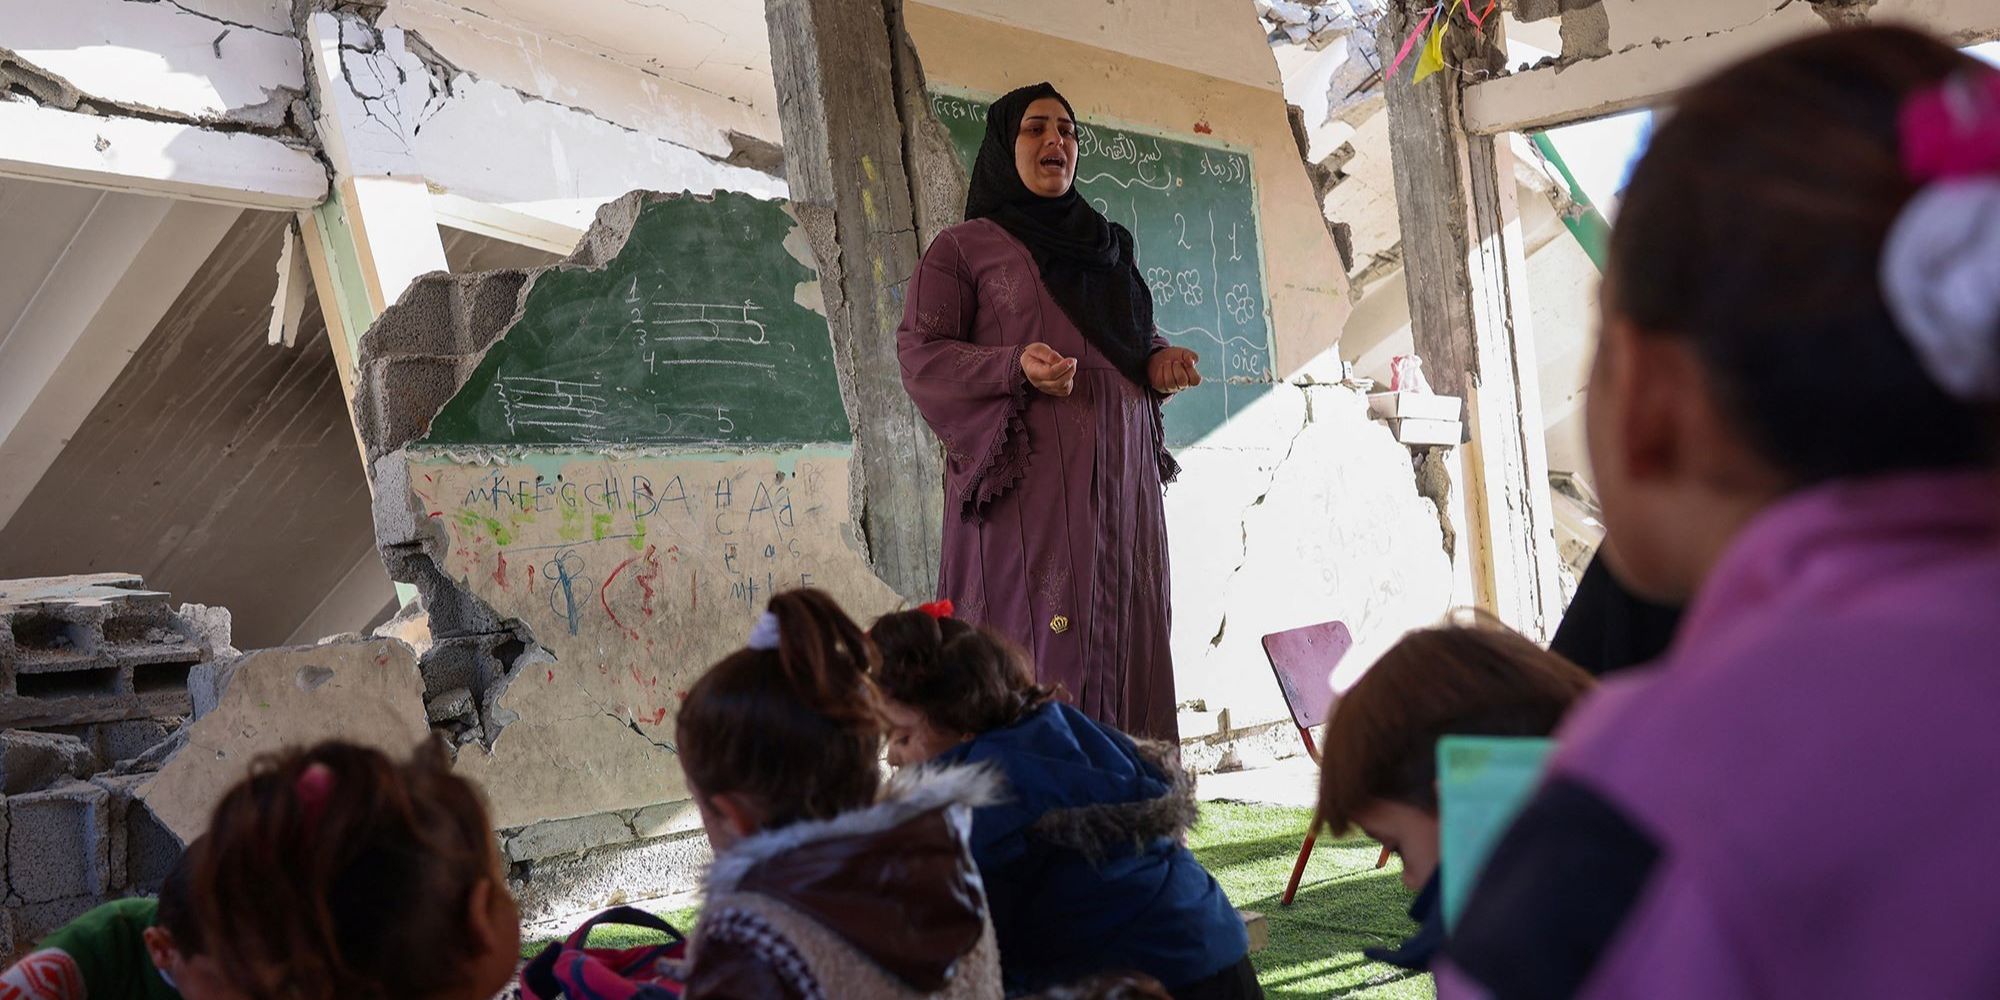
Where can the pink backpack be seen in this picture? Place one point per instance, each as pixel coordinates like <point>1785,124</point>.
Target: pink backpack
<point>569,970</point>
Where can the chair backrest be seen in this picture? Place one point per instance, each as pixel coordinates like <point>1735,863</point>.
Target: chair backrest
<point>1303,660</point>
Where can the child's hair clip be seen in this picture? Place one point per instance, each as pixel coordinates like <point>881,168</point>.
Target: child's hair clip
<point>313,787</point>
<point>939,610</point>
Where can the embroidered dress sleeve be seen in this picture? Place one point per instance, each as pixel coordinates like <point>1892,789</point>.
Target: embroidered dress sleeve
<point>973,395</point>
<point>48,974</point>
<point>741,957</point>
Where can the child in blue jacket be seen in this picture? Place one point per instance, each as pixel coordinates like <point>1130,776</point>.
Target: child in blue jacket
<point>1083,861</point>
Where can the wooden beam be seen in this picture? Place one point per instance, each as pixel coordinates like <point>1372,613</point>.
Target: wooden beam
<point>1467,286</point>
<point>1584,89</point>
<point>124,267</point>
<point>151,157</point>
<point>843,67</point>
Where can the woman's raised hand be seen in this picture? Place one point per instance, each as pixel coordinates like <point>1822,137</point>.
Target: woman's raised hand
<point>1172,369</point>
<point>1048,370</point>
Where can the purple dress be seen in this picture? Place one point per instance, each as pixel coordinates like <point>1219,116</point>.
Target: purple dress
<point>1055,533</point>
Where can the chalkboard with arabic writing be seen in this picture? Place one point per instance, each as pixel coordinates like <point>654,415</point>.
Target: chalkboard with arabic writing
<point>1192,210</point>
<point>689,338</point>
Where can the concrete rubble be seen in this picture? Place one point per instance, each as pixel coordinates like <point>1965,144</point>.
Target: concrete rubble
<point>99,667</point>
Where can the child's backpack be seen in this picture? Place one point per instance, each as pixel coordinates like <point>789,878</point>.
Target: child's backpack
<point>568,970</point>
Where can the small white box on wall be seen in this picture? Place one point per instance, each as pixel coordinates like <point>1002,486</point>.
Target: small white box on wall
<point>1417,405</point>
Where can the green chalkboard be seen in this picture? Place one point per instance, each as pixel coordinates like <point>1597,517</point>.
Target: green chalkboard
<point>1192,210</point>
<point>689,338</point>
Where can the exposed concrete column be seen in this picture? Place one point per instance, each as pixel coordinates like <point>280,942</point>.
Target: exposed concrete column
<point>858,132</point>
<point>1455,195</point>
<point>377,231</point>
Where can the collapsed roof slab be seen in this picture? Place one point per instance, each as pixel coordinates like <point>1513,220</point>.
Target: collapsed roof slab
<point>1642,73</point>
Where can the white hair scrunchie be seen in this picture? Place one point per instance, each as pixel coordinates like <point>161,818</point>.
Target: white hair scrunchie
<point>765,634</point>
<point>1941,278</point>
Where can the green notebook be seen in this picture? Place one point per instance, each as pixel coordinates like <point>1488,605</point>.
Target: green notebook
<point>1482,782</point>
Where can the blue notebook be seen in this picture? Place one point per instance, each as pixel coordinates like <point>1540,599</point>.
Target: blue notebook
<point>1483,781</point>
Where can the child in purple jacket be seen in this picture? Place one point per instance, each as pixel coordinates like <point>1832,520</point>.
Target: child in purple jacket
<point>1793,418</point>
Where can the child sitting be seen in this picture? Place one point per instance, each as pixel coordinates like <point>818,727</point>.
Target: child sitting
<point>819,888</point>
<point>1793,417</point>
<point>1082,859</point>
<point>127,949</point>
<point>335,872</point>
<point>1378,759</point>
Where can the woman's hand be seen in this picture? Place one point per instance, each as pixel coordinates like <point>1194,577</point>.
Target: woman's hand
<point>1172,369</point>
<point>1048,370</point>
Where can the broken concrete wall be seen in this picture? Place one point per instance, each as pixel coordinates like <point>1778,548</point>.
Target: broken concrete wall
<point>95,649</point>
<point>573,593</point>
<point>1298,511</point>
<point>363,691</point>
<point>697,102</point>
<point>230,64</point>
<point>418,113</point>
<point>100,666</point>
<point>1623,54</point>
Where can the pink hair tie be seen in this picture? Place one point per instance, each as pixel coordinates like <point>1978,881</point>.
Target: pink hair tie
<point>314,787</point>
<point>1953,129</point>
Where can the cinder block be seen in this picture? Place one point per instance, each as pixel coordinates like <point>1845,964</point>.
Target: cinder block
<point>30,761</point>
<point>559,837</point>
<point>59,843</point>
<point>35,921</point>
<point>142,849</point>
<point>122,741</point>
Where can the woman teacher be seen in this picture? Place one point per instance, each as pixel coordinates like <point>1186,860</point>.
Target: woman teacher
<point>1028,344</point>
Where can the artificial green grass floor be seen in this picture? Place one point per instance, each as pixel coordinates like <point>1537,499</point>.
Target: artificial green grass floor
<point>1344,905</point>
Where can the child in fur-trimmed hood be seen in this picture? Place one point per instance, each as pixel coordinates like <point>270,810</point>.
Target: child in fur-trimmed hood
<point>1082,854</point>
<point>821,887</point>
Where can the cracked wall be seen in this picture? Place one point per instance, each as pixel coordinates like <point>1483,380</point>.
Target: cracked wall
<point>582,589</point>
<point>1622,54</point>
<point>419,112</point>
<point>1298,511</point>
<point>222,65</point>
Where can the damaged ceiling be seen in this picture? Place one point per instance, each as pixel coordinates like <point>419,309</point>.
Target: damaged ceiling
<point>221,469</point>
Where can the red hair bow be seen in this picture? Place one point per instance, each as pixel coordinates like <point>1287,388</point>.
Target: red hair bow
<point>937,609</point>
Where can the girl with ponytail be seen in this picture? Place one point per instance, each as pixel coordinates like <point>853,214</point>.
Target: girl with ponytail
<point>825,883</point>
<point>1082,855</point>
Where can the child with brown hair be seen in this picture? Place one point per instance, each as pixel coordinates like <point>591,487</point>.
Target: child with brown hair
<point>1793,418</point>
<point>1378,755</point>
<point>1082,855</point>
<point>140,948</point>
<point>336,872</point>
<point>825,884</point>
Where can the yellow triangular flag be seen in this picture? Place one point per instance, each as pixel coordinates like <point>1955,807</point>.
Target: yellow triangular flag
<point>1432,58</point>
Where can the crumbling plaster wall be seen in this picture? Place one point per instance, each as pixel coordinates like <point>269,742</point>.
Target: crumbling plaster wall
<point>673,99</point>
<point>1300,509</point>
<point>574,596</point>
<point>225,64</point>
<point>415,112</point>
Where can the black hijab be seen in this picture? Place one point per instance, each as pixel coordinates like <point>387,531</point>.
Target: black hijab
<point>1085,259</point>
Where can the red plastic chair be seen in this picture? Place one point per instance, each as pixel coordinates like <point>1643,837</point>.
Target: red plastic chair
<point>1303,660</point>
